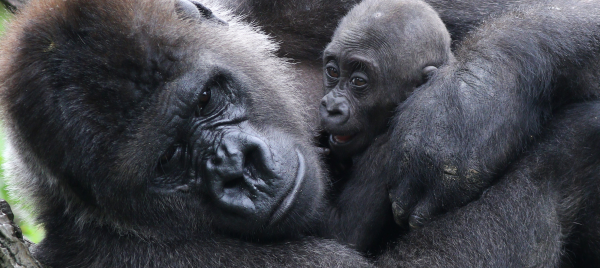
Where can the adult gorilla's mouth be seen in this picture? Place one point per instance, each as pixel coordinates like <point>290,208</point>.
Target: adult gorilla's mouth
<point>289,199</point>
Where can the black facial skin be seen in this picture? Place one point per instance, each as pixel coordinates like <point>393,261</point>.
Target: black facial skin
<point>351,111</point>
<point>379,54</point>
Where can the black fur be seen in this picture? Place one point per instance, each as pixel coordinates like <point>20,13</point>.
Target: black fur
<point>304,27</point>
<point>379,54</point>
<point>150,135</point>
<point>542,213</point>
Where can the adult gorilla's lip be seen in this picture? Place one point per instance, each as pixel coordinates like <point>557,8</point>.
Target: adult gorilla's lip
<point>341,139</point>
<point>287,202</point>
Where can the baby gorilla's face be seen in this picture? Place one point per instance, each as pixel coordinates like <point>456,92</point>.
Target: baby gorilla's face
<point>357,106</point>
<point>379,54</point>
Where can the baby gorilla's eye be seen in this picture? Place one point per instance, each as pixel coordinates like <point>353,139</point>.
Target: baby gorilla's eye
<point>332,72</point>
<point>359,82</point>
<point>203,101</point>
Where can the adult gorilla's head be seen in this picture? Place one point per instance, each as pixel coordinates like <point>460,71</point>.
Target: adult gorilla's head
<point>136,115</point>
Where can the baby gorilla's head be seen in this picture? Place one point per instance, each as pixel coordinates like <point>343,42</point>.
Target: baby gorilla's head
<point>379,54</point>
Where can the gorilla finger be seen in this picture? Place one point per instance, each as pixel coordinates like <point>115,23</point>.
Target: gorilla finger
<point>424,211</point>
<point>403,199</point>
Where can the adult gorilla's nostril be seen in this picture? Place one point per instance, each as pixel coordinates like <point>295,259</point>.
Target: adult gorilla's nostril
<point>228,161</point>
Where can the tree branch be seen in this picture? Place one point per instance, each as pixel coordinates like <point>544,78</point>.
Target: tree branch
<point>14,250</point>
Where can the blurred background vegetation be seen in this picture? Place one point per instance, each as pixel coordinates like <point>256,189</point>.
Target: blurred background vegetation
<point>32,232</point>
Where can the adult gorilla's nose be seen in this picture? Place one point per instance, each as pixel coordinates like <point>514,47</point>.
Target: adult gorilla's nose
<point>334,110</point>
<point>239,170</point>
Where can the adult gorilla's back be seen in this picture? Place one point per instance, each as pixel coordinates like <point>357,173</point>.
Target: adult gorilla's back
<point>152,134</point>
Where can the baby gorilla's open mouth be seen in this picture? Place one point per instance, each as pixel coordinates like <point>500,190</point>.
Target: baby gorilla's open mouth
<point>341,139</point>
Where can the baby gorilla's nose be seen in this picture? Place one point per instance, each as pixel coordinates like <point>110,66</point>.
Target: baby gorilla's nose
<point>334,111</point>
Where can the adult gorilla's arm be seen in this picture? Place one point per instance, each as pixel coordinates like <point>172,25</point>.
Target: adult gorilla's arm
<point>527,219</point>
<point>460,130</point>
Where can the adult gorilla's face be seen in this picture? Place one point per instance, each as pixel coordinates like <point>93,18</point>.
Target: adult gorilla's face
<point>189,125</point>
<point>228,140</point>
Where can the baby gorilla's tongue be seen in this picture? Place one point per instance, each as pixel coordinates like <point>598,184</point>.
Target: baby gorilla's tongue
<point>341,139</point>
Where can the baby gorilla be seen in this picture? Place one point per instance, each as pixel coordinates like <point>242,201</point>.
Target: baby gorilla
<point>374,61</point>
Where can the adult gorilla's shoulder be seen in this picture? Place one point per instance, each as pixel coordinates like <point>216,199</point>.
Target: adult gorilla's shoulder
<point>156,134</point>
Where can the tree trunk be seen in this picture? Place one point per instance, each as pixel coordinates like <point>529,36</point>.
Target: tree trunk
<point>14,250</point>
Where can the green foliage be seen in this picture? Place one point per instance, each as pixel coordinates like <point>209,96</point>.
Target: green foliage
<point>4,14</point>
<point>32,232</point>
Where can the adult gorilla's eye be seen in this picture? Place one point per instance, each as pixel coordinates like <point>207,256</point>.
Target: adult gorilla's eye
<point>332,72</point>
<point>203,101</point>
<point>359,82</point>
<point>171,153</point>
<point>168,161</point>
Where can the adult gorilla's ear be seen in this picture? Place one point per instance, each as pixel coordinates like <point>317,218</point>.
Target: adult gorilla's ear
<point>427,73</point>
<point>191,9</point>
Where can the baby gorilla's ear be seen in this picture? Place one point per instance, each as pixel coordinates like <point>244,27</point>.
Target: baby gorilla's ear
<point>427,73</point>
<point>190,9</point>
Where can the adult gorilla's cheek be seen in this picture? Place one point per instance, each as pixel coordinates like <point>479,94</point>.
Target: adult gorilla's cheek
<point>254,178</point>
